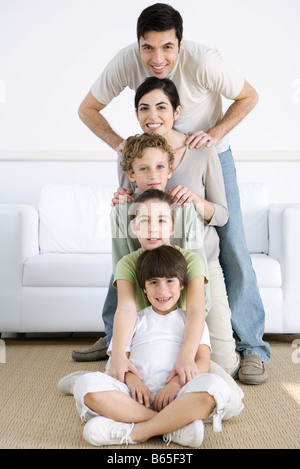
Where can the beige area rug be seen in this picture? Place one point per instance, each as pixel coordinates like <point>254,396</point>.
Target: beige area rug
<point>35,415</point>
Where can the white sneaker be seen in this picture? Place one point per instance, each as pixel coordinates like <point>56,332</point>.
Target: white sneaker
<point>190,435</point>
<point>67,383</point>
<point>100,431</point>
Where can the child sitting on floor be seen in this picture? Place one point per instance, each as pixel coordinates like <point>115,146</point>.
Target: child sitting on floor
<point>150,405</point>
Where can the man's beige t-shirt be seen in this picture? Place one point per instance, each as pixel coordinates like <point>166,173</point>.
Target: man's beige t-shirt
<point>201,76</point>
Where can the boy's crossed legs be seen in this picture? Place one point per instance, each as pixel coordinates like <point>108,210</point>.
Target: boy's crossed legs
<point>205,395</point>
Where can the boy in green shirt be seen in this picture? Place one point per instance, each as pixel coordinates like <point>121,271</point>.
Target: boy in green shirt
<point>154,203</point>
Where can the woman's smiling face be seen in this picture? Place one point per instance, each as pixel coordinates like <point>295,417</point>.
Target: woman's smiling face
<point>155,113</point>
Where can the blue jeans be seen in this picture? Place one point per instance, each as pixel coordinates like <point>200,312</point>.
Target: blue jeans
<point>109,309</point>
<point>247,311</point>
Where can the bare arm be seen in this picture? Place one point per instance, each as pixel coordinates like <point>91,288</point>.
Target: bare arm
<point>138,390</point>
<point>195,316</point>
<point>124,322</point>
<point>203,359</point>
<point>242,105</point>
<point>185,365</point>
<point>89,113</point>
<point>168,393</point>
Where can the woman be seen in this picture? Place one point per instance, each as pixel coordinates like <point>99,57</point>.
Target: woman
<point>197,178</point>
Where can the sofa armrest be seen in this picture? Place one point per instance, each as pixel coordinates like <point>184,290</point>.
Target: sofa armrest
<point>18,241</point>
<point>284,245</point>
<point>284,232</point>
<point>19,225</point>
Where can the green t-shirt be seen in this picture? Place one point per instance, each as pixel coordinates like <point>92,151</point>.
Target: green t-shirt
<point>125,270</point>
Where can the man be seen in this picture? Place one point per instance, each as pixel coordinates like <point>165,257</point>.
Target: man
<point>202,77</point>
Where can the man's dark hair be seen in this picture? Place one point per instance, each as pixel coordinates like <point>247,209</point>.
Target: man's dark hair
<point>163,262</point>
<point>159,17</point>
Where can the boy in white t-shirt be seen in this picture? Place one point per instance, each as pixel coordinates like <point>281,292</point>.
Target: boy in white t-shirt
<point>152,405</point>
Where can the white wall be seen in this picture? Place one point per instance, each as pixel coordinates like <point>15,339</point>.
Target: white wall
<point>51,51</point>
<point>21,181</point>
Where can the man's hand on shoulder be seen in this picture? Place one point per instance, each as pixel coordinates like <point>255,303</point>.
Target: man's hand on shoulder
<point>197,139</point>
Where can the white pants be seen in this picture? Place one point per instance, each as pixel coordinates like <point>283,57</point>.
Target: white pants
<point>218,321</point>
<point>214,384</point>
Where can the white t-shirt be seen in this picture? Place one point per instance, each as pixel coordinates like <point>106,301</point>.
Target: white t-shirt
<point>157,339</point>
<point>201,76</point>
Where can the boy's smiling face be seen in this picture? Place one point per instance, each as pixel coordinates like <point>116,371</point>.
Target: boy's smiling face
<point>151,171</point>
<point>153,224</point>
<point>163,294</point>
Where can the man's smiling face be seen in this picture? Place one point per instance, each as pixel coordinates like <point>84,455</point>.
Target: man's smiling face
<point>159,52</point>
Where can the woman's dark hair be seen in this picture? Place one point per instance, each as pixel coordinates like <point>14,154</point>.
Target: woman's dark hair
<point>160,17</point>
<point>154,83</point>
<point>163,262</point>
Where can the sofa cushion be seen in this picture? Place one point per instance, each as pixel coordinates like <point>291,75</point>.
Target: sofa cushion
<point>267,270</point>
<point>255,207</point>
<point>94,270</point>
<point>67,270</point>
<point>75,218</point>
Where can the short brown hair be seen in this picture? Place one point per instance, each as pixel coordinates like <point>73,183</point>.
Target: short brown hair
<point>162,262</point>
<point>159,17</point>
<point>152,194</point>
<point>136,145</point>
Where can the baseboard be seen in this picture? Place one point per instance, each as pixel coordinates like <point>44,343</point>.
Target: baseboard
<point>58,155</point>
<point>110,155</point>
<point>265,156</point>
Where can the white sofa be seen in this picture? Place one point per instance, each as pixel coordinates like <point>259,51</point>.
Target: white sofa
<point>55,259</point>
